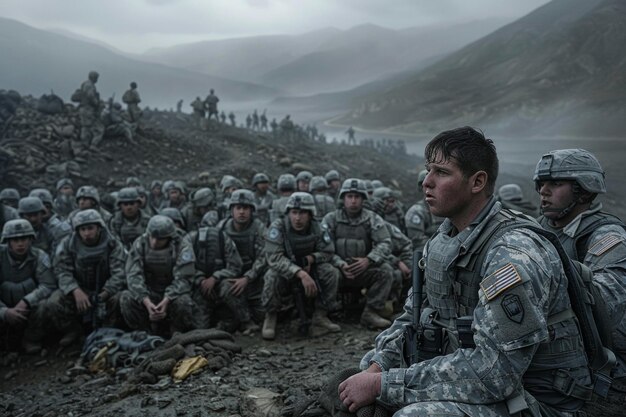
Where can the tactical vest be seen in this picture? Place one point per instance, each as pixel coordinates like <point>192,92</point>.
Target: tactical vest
<point>245,242</point>
<point>301,245</point>
<point>16,283</point>
<point>353,240</point>
<point>159,267</point>
<point>453,278</point>
<point>91,263</point>
<point>209,249</point>
<point>577,246</point>
<point>128,232</point>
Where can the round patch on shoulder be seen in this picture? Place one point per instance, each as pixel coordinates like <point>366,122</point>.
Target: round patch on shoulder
<point>274,233</point>
<point>186,256</point>
<point>326,237</point>
<point>416,219</point>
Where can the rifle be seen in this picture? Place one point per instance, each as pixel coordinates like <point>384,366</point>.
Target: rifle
<point>413,331</point>
<point>300,299</point>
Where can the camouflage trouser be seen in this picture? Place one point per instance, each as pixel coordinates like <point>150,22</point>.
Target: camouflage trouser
<point>377,279</point>
<point>277,289</point>
<point>238,308</point>
<point>64,315</point>
<point>33,330</point>
<point>91,127</point>
<point>135,112</point>
<point>613,295</point>
<point>179,312</point>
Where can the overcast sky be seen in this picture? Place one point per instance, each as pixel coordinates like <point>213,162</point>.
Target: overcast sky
<point>137,25</point>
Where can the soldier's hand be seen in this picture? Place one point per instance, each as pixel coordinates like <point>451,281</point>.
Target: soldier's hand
<point>14,316</point>
<point>161,308</point>
<point>406,271</point>
<point>358,266</point>
<point>103,296</point>
<point>310,260</point>
<point>346,271</point>
<point>238,285</point>
<point>310,289</point>
<point>82,300</point>
<point>360,390</point>
<point>22,307</point>
<point>206,286</point>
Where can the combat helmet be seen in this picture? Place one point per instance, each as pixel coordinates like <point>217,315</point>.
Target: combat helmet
<point>304,176</point>
<point>332,175</point>
<point>174,214</point>
<point>353,185</point>
<point>9,194</point>
<point>161,227</point>
<point>259,178</point>
<point>127,195</point>
<point>576,165</point>
<point>302,201</point>
<point>84,217</point>
<point>41,193</point>
<point>210,219</point>
<point>133,182</point>
<point>286,182</point>
<point>229,181</point>
<point>318,183</point>
<point>88,191</point>
<point>30,205</point>
<point>242,197</point>
<point>202,197</point>
<point>377,184</point>
<point>368,186</point>
<point>63,182</point>
<point>510,192</point>
<point>17,228</point>
<point>383,192</point>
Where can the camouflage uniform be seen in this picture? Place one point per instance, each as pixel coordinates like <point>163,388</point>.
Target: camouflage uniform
<point>286,185</point>
<point>91,128</point>
<point>401,251</point>
<point>90,192</point>
<point>29,279</point>
<point>192,214</point>
<point>132,100</point>
<point>394,215</point>
<point>127,230</point>
<point>420,223</point>
<point>324,203</point>
<point>7,213</point>
<point>90,268</point>
<point>517,351</point>
<point>594,238</point>
<point>217,257</point>
<point>263,202</point>
<point>211,105</point>
<point>64,204</point>
<point>159,273</point>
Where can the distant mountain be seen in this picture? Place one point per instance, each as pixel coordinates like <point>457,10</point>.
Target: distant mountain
<point>326,60</point>
<point>36,61</point>
<point>558,70</point>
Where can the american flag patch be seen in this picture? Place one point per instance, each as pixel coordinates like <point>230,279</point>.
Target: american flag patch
<point>503,278</point>
<point>604,244</point>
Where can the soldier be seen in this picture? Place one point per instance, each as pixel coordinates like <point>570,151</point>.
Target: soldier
<point>287,128</point>
<point>159,274</point>
<point>263,197</point>
<point>202,201</point>
<point>129,222</point>
<point>334,183</point>
<point>324,203</point>
<point>26,281</point>
<point>247,232</point>
<point>7,213</point>
<point>568,181</point>
<point>9,197</point>
<point>286,185</point>
<point>421,224</point>
<point>504,363</point>
<point>302,181</point>
<point>248,121</point>
<point>89,266</point>
<point>217,265</point>
<point>228,185</point>
<point>255,120</point>
<point>391,213</point>
<point>54,225</point>
<point>210,103</point>
<point>179,106</point>
<point>274,126</point>
<point>264,122</point>
<point>87,197</point>
<point>231,117</point>
<point>133,182</point>
<point>32,209</point>
<point>132,100</point>
<point>362,246</point>
<point>176,196</point>
<point>177,218</point>
<point>115,125</point>
<point>65,202</point>
<point>512,198</point>
<point>298,254</point>
<point>223,117</point>
<point>155,198</point>
<point>198,111</point>
<point>89,109</point>
<point>351,139</point>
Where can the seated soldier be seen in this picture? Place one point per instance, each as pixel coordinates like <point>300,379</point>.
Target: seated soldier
<point>298,252</point>
<point>391,211</point>
<point>202,201</point>
<point>324,203</point>
<point>159,273</point>
<point>26,281</point>
<point>129,222</point>
<point>89,265</point>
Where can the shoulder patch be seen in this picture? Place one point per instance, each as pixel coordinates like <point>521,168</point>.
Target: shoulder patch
<point>326,236</point>
<point>416,219</point>
<point>605,244</point>
<point>513,308</point>
<point>501,280</point>
<point>186,256</point>
<point>45,259</point>
<point>274,233</point>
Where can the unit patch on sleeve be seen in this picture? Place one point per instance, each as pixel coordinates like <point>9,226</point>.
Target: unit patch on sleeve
<point>513,308</point>
<point>504,278</point>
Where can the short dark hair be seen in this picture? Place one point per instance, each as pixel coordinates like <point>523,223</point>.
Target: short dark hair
<point>471,151</point>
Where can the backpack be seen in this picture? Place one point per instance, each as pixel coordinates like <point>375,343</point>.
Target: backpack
<point>77,96</point>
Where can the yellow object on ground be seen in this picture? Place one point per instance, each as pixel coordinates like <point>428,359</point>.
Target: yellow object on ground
<point>188,366</point>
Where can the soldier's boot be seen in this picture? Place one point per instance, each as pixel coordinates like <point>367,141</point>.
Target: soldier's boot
<point>372,319</point>
<point>71,335</point>
<point>269,326</point>
<point>320,319</point>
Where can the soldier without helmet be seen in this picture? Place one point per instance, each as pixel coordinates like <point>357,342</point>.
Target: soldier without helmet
<point>159,275</point>
<point>26,281</point>
<point>89,266</point>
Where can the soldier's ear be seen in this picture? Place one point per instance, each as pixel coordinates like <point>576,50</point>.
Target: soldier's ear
<point>478,181</point>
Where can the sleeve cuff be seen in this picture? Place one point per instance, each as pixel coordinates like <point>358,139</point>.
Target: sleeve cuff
<point>392,387</point>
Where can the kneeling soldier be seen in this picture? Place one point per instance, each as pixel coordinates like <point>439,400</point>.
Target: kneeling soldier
<point>298,251</point>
